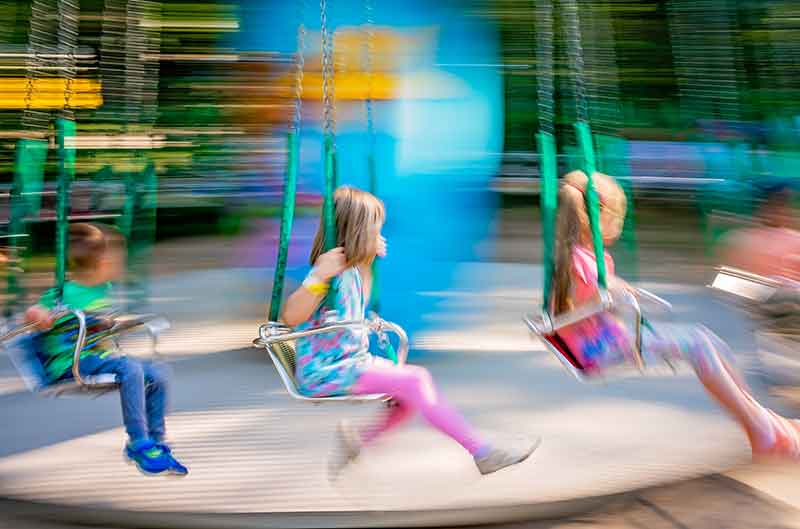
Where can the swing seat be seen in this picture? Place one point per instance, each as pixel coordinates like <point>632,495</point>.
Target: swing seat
<point>546,329</point>
<point>555,345</point>
<point>742,285</point>
<point>278,340</point>
<point>23,352</point>
<point>24,344</point>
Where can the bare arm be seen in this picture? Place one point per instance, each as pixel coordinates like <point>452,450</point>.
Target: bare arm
<point>300,306</point>
<point>303,302</point>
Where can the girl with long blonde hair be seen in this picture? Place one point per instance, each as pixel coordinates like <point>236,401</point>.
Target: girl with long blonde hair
<point>602,341</point>
<point>341,364</point>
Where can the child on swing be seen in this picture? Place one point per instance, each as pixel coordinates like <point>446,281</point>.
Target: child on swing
<point>602,341</point>
<point>341,364</point>
<point>97,258</point>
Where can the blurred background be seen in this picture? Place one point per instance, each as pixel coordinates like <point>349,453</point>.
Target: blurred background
<point>181,112</point>
<point>174,119</point>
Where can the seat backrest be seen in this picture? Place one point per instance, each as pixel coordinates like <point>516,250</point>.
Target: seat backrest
<point>285,353</point>
<point>23,352</point>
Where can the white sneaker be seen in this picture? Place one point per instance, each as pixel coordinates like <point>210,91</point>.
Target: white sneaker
<point>500,458</point>
<point>347,446</point>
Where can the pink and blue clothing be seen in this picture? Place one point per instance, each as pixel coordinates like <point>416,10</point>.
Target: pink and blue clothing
<point>329,364</point>
<point>340,364</point>
<point>603,341</point>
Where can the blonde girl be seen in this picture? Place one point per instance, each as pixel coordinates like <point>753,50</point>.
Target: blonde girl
<point>602,340</point>
<point>341,364</point>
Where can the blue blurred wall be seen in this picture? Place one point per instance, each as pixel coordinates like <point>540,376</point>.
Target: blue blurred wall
<point>435,155</point>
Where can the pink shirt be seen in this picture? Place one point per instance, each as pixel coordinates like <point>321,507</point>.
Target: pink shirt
<point>600,340</point>
<point>584,274</point>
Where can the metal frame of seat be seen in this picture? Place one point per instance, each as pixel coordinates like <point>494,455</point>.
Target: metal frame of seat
<point>274,336</point>
<point>94,384</point>
<point>776,342</point>
<point>744,286</point>
<point>546,328</point>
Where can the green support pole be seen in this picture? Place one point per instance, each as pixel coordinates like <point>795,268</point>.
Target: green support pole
<point>328,208</point>
<point>125,224</point>
<point>548,199</point>
<point>66,155</point>
<point>375,296</point>
<point>26,197</point>
<point>103,175</point>
<point>586,146</point>
<point>141,214</point>
<point>149,214</point>
<point>287,219</point>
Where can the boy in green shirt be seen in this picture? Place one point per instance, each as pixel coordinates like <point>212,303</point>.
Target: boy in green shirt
<point>97,258</point>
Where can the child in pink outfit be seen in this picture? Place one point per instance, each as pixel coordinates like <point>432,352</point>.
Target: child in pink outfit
<point>602,341</point>
<point>340,363</point>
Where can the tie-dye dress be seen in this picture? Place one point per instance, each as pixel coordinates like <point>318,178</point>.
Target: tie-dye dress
<point>329,364</point>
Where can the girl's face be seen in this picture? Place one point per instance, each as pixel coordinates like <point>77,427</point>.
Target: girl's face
<point>612,211</point>
<point>380,245</point>
<point>611,223</point>
<point>111,265</point>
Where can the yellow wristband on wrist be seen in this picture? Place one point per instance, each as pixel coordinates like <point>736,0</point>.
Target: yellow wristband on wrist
<point>318,289</point>
<point>316,286</point>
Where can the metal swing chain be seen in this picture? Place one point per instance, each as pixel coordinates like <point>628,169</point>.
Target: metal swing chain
<point>328,95</point>
<point>112,61</point>
<point>575,57</point>
<point>544,58</point>
<point>40,32</point>
<point>603,92</point>
<point>68,28</point>
<point>134,65</point>
<point>300,63</point>
<point>369,50</point>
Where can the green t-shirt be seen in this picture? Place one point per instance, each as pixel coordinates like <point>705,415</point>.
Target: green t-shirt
<point>59,344</point>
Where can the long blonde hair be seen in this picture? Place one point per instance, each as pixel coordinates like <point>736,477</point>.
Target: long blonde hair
<point>572,227</point>
<point>359,218</point>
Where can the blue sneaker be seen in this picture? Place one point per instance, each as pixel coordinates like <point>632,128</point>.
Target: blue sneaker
<point>148,456</point>
<point>175,467</point>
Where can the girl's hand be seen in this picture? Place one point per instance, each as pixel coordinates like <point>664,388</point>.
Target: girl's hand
<point>39,316</point>
<point>382,246</point>
<point>617,283</point>
<point>330,264</point>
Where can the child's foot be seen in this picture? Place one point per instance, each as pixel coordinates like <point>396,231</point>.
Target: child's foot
<point>347,446</point>
<point>148,456</point>
<point>176,468</point>
<point>786,444</point>
<point>499,458</point>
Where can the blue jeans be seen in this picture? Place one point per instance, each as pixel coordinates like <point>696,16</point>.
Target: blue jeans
<point>142,392</point>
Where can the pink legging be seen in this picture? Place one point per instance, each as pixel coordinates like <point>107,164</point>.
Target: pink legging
<point>412,388</point>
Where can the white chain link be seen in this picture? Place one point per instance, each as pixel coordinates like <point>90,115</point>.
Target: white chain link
<point>68,28</point>
<point>112,61</point>
<point>575,56</point>
<point>369,51</point>
<point>601,58</point>
<point>299,67</point>
<point>544,68</point>
<point>40,38</point>
<point>134,63</point>
<point>328,95</point>
<point>706,55</point>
